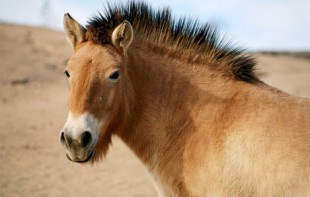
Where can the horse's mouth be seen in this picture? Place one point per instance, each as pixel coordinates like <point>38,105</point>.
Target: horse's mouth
<point>82,161</point>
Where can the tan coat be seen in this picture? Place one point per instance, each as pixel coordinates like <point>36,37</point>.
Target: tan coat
<point>199,128</point>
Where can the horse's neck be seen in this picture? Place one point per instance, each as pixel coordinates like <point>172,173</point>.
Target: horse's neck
<point>168,94</point>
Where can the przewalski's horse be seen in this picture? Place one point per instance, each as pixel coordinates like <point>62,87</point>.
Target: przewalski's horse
<point>187,105</point>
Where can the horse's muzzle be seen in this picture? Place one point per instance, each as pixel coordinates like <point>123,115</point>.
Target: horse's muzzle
<point>79,137</point>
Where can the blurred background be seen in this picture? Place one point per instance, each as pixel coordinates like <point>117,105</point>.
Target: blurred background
<point>33,89</point>
<point>257,24</point>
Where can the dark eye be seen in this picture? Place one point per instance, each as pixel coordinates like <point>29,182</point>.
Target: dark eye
<point>67,73</point>
<point>115,75</point>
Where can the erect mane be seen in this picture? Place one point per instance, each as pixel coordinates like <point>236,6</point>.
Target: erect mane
<point>184,35</point>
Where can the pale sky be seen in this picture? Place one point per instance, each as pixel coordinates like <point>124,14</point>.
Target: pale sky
<point>253,24</point>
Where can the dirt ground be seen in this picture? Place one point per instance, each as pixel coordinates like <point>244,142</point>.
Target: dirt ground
<point>33,109</point>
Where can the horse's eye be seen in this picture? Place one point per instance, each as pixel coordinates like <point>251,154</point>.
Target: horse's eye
<point>115,75</point>
<point>67,73</point>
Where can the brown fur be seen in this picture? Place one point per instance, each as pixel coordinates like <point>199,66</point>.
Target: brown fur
<point>198,131</point>
<point>184,39</point>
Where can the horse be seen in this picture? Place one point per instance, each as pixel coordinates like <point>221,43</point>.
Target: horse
<point>187,103</point>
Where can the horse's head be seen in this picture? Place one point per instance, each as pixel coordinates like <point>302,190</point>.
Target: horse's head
<point>96,75</point>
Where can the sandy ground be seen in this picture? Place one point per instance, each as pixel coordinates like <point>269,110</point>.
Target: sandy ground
<point>33,110</point>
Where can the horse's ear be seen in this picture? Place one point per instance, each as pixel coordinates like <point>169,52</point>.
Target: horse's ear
<point>75,32</point>
<point>122,35</point>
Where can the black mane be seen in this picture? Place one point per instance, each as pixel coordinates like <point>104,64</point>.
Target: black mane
<point>184,35</point>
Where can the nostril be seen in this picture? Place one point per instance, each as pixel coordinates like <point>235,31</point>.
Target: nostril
<point>63,139</point>
<point>86,138</point>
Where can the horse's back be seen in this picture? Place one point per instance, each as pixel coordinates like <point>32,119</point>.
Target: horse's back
<point>265,150</point>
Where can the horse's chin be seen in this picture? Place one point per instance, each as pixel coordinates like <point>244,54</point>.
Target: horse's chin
<point>88,158</point>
